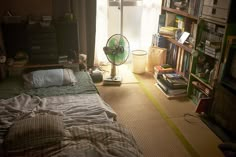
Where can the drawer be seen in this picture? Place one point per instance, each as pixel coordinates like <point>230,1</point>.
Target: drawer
<point>216,13</point>
<point>224,4</point>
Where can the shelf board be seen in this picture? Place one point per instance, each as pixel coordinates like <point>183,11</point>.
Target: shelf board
<point>203,52</point>
<point>171,96</point>
<point>203,82</point>
<point>184,46</point>
<point>179,12</point>
<point>44,65</point>
<point>207,94</point>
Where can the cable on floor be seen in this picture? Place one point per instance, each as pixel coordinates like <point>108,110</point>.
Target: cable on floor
<point>190,115</point>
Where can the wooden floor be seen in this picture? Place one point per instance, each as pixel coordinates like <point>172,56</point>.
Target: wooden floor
<point>161,127</point>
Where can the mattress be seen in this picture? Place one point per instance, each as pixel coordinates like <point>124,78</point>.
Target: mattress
<point>90,126</point>
<point>14,86</point>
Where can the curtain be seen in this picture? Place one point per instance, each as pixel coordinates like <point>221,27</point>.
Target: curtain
<point>149,25</point>
<point>85,12</point>
<point>102,31</point>
<point>149,21</point>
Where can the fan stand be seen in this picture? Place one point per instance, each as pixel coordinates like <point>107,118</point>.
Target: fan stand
<point>113,79</point>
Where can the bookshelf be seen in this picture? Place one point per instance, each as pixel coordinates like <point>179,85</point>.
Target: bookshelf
<point>184,20</point>
<point>179,12</point>
<point>207,58</point>
<point>186,47</point>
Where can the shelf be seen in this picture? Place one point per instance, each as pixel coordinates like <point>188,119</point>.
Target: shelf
<point>203,52</point>
<point>179,12</point>
<point>185,47</point>
<point>202,81</point>
<point>44,65</point>
<point>194,99</point>
<point>201,90</point>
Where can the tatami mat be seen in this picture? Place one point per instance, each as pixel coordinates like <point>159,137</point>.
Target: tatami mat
<point>151,129</point>
<point>134,110</point>
<point>122,70</point>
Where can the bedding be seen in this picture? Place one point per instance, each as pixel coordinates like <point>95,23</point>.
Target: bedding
<point>13,86</point>
<point>36,131</point>
<point>89,124</point>
<point>49,77</point>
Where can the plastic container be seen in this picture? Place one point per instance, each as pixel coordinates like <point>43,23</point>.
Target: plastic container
<point>139,59</point>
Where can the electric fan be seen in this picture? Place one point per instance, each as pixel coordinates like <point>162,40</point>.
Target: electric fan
<point>117,51</point>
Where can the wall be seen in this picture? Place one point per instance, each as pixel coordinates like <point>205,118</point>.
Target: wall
<point>27,7</point>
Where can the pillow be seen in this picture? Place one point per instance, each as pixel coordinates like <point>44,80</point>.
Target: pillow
<point>34,132</point>
<point>50,77</point>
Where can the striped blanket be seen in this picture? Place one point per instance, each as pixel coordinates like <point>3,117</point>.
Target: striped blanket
<point>90,127</point>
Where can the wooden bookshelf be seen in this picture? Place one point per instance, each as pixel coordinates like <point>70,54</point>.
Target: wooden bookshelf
<point>186,47</point>
<point>202,81</point>
<point>180,12</point>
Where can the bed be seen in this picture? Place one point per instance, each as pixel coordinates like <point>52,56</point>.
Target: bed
<point>66,120</point>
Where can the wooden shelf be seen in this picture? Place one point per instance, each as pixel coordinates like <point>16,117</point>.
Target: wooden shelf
<point>184,46</point>
<point>204,92</point>
<point>202,81</point>
<point>179,12</point>
<point>44,65</point>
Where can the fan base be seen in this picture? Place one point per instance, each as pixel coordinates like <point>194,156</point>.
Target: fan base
<point>115,81</point>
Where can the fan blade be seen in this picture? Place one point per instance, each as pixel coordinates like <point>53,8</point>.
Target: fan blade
<point>108,50</point>
<point>119,49</point>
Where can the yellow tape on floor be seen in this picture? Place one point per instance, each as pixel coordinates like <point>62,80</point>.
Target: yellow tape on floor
<point>176,130</point>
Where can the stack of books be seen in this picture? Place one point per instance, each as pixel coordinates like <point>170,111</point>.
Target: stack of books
<point>213,49</point>
<point>162,69</point>
<point>171,83</point>
<point>168,31</point>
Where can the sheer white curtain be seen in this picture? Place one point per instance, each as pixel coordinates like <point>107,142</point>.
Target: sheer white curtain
<point>149,22</point>
<point>101,32</point>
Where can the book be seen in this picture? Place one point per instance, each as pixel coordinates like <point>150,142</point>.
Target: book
<point>167,4</point>
<point>180,22</point>
<point>172,75</point>
<point>162,21</point>
<point>212,48</point>
<point>202,88</point>
<point>183,37</point>
<point>158,69</point>
<point>203,105</point>
<point>212,54</point>
<point>179,83</point>
<point>165,66</point>
<point>186,64</point>
<point>168,31</point>
<point>170,96</point>
<point>170,91</point>
<point>170,19</point>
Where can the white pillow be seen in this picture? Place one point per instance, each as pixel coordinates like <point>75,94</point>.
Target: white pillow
<point>49,77</point>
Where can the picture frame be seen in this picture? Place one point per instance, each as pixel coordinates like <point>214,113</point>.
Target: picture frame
<point>183,37</point>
